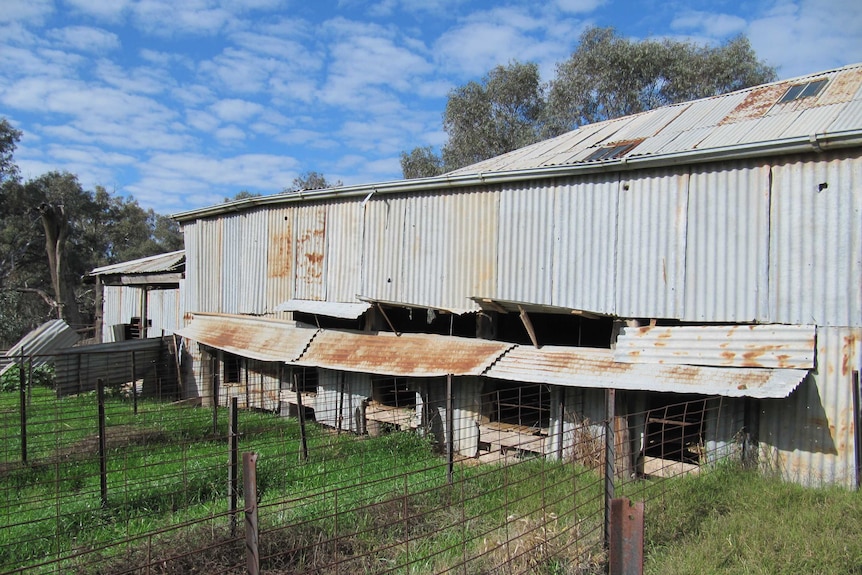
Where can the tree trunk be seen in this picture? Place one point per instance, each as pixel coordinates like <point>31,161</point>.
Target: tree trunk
<point>56,233</point>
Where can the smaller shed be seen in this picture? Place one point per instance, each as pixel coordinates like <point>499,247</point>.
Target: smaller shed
<point>140,298</point>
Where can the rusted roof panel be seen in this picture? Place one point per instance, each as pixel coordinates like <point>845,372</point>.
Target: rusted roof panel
<point>596,368</point>
<point>771,346</point>
<point>168,262</point>
<point>255,338</point>
<point>750,116</point>
<point>405,355</point>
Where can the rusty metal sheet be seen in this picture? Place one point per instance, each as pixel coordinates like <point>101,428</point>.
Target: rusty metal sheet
<point>255,338</point>
<point>596,368</point>
<point>405,355</point>
<point>781,346</point>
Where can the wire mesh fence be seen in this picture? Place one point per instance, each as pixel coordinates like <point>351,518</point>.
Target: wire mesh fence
<point>110,468</point>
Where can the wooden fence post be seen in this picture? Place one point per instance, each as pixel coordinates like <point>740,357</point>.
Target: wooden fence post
<point>249,485</point>
<point>22,384</point>
<point>103,444</point>
<point>610,409</point>
<point>233,465</point>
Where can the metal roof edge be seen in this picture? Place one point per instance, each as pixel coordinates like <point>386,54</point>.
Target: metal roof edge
<point>806,144</point>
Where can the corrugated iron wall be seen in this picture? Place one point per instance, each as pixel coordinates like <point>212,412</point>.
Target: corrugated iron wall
<point>809,437</point>
<point>704,246</point>
<point>815,260</point>
<point>727,244</point>
<point>585,225</point>
<point>651,238</point>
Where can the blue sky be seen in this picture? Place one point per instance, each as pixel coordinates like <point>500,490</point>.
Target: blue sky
<point>183,103</point>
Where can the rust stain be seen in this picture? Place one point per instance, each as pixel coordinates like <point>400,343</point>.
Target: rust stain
<point>756,104</point>
<point>728,355</point>
<point>280,260</point>
<point>842,88</point>
<point>848,350</point>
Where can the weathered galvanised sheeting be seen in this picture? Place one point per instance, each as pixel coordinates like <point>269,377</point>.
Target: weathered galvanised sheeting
<point>651,244</point>
<point>783,346</point>
<point>39,344</point>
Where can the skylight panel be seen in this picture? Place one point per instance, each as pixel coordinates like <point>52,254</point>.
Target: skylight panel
<point>799,91</point>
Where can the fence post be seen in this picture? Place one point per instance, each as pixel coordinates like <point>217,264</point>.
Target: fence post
<point>450,433</point>
<point>249,485</point>
<point>610,408</point>
<point>22,383</point>
<point>626,545</point>
<point>233,466</point>
<point>134,385</point>
<point>103,445</point>
<point>300,413</point>
<point>215,395</point>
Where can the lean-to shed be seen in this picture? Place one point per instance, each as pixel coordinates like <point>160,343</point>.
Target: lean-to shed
<point>140,298</point>
<point>707,248</point>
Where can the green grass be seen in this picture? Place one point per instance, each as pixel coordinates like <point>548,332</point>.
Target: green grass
<point>373,501</point>
<point>732,521</point>
<point>380,503</point>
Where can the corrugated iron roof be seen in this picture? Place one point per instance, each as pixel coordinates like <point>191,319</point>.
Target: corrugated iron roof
<point>168,262</point>
<point>343,310</point>
<point>740,124</point>
<point>255,338</point>
<point>405,355</point>
<point>744,117</point>
<point>42,342</point>
<point>428,355</point>
<point>781,346</point>
<point>596,368</point>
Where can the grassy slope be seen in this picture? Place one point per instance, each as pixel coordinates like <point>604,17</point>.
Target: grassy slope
<point>733,521</point>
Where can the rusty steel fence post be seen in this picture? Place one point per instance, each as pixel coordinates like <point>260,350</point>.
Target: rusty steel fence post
<point>249,485</point>
<point>626,544</point>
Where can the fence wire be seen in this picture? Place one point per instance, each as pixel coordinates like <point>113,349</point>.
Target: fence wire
<point>131,476</point>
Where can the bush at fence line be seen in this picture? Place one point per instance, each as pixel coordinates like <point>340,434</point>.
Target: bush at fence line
<point>42,375</point>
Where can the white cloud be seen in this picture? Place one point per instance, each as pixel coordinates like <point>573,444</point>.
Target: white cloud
<point>233,110</point>
<point>712,25</point>
<point>29,11</point>
<point>808,36</point>
<point>229,135</point>
<point>579,6</point>
<point>105,10</point>
<point>84,39</point>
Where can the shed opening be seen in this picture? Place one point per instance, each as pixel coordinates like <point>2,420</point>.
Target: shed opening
<point>674,428</point>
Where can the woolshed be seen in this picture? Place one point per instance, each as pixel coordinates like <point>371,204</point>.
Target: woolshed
<point>702,254</point>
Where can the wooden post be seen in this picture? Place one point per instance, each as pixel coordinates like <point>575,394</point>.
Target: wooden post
<point>450,432</point>
<point>300,413</point>
<point>103,444</point>
<point>249,485</point>
<point>857,420</point>
<point>561,427</point>
<point>233,465</point>
<point>610,408</point>
<point>134,385</point>
<point>215,390</point>
<point>22,384</point>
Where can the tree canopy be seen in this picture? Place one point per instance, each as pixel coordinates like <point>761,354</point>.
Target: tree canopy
<point>607,76</point>
<point>52,233</point>
<point>312,181</point>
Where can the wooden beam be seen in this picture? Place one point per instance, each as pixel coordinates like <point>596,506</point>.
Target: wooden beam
<point>528,325</point>
<point>386,317</point>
